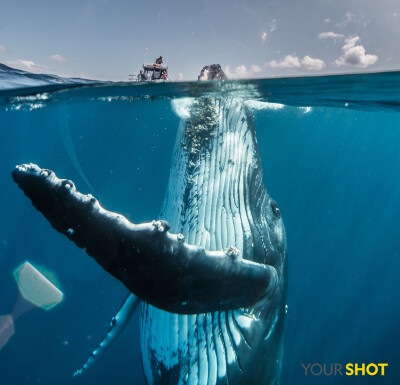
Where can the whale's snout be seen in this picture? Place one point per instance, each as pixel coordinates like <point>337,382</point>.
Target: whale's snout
<point>212,72</point>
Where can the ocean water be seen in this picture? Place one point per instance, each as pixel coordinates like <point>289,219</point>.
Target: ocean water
<point>330,148</point>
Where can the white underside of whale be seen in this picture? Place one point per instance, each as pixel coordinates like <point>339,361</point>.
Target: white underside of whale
<point>217,217</point>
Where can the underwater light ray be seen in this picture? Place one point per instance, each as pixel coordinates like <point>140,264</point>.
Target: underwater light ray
<point>65,131</point>
<point>6,329</point>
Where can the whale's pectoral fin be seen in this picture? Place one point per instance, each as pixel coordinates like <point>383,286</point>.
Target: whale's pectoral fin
<point>117,325</point>
<point>157,266</point>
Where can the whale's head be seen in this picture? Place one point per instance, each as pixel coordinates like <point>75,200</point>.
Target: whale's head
<point>212,72</point>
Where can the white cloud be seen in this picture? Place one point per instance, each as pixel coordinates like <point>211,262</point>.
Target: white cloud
<point>27,65</point>
<point>358,19</point>
<point>293,62</point>
<point>5,50</point>
<point>58,58</point>
<point>255,69</point>
<point>327,20</point>
<point>179,77</point>
<point>348,18</point>
<point>330,35</point>
<point>242,71</point>
<point>289,62</point>
<point>355,55</point>
<point>311,64</point>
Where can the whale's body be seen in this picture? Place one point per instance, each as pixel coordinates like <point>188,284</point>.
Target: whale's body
<point>216,198</point>
<point>207,317</point>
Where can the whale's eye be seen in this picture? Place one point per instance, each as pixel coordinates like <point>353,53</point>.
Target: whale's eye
<point>275,209</point>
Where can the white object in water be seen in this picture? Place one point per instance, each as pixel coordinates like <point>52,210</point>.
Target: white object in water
<point>36,288</point>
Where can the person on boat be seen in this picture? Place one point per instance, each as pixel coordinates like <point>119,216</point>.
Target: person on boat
<point>159,60</point>
<point>140,76</point>
<point>164,75</point>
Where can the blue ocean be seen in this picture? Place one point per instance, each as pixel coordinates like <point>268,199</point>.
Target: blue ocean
<point>330,149</point>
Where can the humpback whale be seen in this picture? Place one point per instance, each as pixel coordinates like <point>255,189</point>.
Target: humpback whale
<point>211,272</point>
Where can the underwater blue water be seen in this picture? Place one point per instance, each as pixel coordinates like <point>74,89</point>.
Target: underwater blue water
<point>334,170</point>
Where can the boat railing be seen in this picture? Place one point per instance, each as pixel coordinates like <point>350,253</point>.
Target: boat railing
<point>155,66</point>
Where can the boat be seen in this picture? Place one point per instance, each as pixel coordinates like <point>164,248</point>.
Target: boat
<point>154,72</point>
<point>151,73</point>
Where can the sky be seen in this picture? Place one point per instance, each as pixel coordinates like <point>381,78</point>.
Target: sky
<point>107,39</point>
